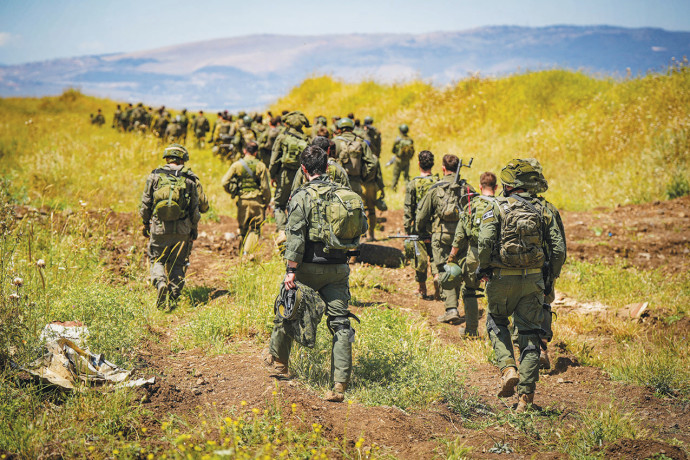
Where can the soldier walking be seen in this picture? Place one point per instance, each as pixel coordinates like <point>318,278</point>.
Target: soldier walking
<point>334,171</point>
<point>247,180</point>
<point>512,238</point>
<point>200,126</point>
<point>170,209</point>
<point>403,151</point>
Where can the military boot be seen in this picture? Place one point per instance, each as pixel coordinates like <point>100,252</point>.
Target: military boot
<point>337,394</point>
<point>437,290</point>
<point>524,403</point>
<point>509,380</point>
<point>451,316</point>
<point>279,367</point>
<point>465,334</point>
<point>421,290</point>
<point>544,360</point>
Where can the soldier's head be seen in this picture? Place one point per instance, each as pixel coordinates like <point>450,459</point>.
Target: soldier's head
<point>368,120</point>
<point>320,120</point>
<point>450,164</point>
<point>118,106</point>
<point>184,111</point>
<point>322,131</point>
<point>345,124</point>
<point>314,161</point>
<point>99,110</point>
<point>176,153</point>
<point>404,128</point>
<point>296,120</point>
<point>275,121</point>
<point>488,183</point>
<point>325,144</point>
<point>219,114</point>
<point>251,148</point>
<point>541,184</point>
<point>258,118</point>
<point>520,175</point>
<point>247,120</point>
<point>284,112</point>
<point>351,116</point>
<point>241,114</point>
<point>357,123</point>
<point>201,112</point>
<point>426,161</point>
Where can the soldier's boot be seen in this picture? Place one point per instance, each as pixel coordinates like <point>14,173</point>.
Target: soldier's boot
<point>162,296</point>
<point>421,290</point>
<point>337,394</point>
<point>544,360</point>
<point>437,290</point>
<point>509,380</point>
<point>524,403</point>
<point>277,366</point>
<point>451,316</point>
<point>465,334</point>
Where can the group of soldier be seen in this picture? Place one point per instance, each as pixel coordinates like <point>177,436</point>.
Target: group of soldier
<point>327,183</point>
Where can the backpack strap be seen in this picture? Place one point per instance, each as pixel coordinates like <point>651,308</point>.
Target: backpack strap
<point>526,203</point>
<point>247,168</point>
<point>176,173</point>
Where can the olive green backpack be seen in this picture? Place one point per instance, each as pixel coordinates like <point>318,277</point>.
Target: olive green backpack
<point>406,148</point>
<point>337,217</point>
<point>422,184</point>
<point>522,232</point>
<point>474,211</point>
<point>170,195</point>
<point>292,149</point>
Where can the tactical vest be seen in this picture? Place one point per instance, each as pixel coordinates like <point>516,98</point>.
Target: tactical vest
<point>293,145</point>
<point>522,232</point>
<point>422,184</point>
<point>451,198</point>
<point>248,179</point>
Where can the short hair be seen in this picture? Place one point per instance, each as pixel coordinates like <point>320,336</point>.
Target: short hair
<point>426,160</point>
<point>450,162</point>
<point>322,131</point>
<point>252,147</point>
<point>488,179</point>
<point>351,116</point>
<point>285,112</point>
<point>314,160</point>
<point>275,121</point>
<point>357,122</point>
<point>321,142</point>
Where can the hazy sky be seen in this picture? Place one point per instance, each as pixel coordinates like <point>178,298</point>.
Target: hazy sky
<point>34,30</point>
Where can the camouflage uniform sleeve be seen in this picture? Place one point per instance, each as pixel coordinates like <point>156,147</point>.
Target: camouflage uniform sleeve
<point>146,206</point>
<point>370,158</point>
<point>460,232</point>
<point>264,183</point>
<point>556,243</point>
<point>425,212</point>
<point>343,178</point>
<point>225,182</point>
<point>297,181</point>
<point>195,214</point>
<point>276,153</point>
<point>203,199</point>
<point>488,235</point>
<point>296,227</point>
<point>409,207</point>
<point>396,146</point>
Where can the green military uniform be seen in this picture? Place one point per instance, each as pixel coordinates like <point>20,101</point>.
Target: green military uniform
<point>98,120</point>
<point>248,180</point>
<point>371,134</point>
<point>334,171</point>
<point>200,126</point>
<point>403,151</point>
<point>285,163</point>
<point>440,209</point>
<point>466,240</point>
<point>116,118</point>
<point>415,191</point>
<point>326,273</point>
<point>267,142</point>
<point>354,154</point>
<point>516,287</point>
<point>171,242</point>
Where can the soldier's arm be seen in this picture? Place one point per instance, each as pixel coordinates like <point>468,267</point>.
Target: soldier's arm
<point>297,181</point>
<point>460,237</point>
<point>203,199</point>
<point>276,153</point>
<point>424,213</point>
<point>409,208</point>
<point>370,158</point>
<point>488,235</point>
<point>264,183</point>
<point>296,227</point>
<point>227,178</point>
<point>555,240</point>
<point>195,214</point>
<point>396,146</point>
<point>146,206</point>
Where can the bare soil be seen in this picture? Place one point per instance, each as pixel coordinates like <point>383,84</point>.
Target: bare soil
<point>646,236</point>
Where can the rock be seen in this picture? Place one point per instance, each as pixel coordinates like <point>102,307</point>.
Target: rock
<point>228,236</point>
<point>196,391</point>
<point>200,381</point>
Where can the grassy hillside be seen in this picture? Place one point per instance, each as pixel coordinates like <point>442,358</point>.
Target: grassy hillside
<point>602,142</point>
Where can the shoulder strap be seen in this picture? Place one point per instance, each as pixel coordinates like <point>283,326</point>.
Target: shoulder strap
<point>247,168</point>
<point>526,203</point>
<point>170,172</point>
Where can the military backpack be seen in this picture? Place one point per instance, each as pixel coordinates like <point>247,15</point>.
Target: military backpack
<point>405,148</point>
<point>522,232</point>
<point>337,217</point>
<point>474,211</point>
<point>170,195</point>
<point>451,199</point>
<point>292,149</point>
<point>350,156</point>
<point>422,184</point>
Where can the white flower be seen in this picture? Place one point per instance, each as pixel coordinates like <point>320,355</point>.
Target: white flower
<point>18,282</point>
<point>40,263</point>
<point>14,296</point>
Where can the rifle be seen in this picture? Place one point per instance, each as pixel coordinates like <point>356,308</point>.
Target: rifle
<point>391,161</point>
<point>460,165</point>
<point>415,239</point>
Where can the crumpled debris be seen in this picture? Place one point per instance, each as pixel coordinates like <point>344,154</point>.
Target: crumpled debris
<point>68,365</point>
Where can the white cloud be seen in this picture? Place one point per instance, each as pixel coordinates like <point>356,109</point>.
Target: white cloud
<point>5,38</point>
<point>658,49</point>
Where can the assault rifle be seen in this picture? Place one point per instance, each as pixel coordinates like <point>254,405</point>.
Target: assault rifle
<point>460,165</point>
<point>414,239</point>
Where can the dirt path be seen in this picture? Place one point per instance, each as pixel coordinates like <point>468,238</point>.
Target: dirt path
<point>189,380</point>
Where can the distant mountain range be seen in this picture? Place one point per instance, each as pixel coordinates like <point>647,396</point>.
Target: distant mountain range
<point>252,71</point>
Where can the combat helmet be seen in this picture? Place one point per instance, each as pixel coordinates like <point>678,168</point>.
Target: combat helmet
<point>247,120</point>
<point>345,123</point>
<point>176,151</point>
<point>403,128</point>
<point>542,184</point>
<point>451,276</point>
<point>296,120</point>
<point>368,120</point>
<point>521,174</point>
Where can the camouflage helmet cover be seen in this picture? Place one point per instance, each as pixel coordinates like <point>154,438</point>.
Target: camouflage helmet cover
<point>176,151</point>
<point>247,120</point>
<point>542,184</point>
<point>403,128</point>
<point>451,276</point>
<point>288,302</point>
<point>521,174</point>
<point>345,123</point>
<point>296,120</point>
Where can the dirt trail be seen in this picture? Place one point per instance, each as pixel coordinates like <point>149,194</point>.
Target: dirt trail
<point>190,380</point>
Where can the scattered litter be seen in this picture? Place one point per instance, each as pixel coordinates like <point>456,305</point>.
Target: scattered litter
<point>68,365</point>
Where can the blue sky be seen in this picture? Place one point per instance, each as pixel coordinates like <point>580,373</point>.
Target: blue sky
<point>34,30</point>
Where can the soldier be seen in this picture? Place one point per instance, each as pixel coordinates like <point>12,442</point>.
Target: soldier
<point>312,260</point>
<point>403,151</point>
<point>173,130</point>
<point>160,124</point>
<point>335,172</point>
<point>415,191</point>
<point>200,126</point>
<point>542,186</point>
<point>99,119</point>
<point>465,250</point>
<point>170,211</point>
<point>354,154</point>
<point>125,118</point>
<point>245,134</point>
<point>512,238</point>
<point>116,118</point>
<point>285,163</point>
<point>441,209</point>
<point>225,135</point>
<point>261,130</point>
<point>320,123</point>
<point>270,136</point>
<point>219,119</point>
<point>183,121</point>
<point>372,135</point>
<point>247,179</point>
